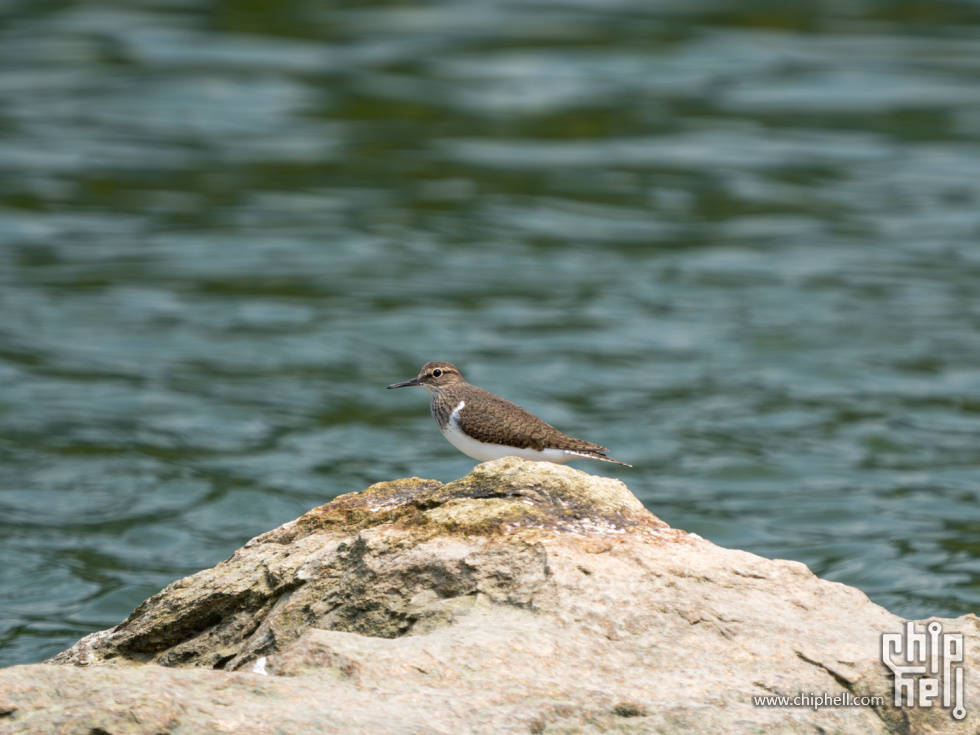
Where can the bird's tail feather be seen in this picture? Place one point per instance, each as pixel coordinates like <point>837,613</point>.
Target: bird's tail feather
<point>596,456</point>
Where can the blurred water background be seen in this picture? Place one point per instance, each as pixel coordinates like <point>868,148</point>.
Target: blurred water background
<point>736,242</point>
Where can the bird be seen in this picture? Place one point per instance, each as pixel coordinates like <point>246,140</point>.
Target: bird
<point>487,427</point>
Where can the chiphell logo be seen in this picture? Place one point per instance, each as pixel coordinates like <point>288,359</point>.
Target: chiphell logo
<point>928,667</point>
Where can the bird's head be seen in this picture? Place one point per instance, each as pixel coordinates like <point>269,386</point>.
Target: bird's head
<point>434,376</point>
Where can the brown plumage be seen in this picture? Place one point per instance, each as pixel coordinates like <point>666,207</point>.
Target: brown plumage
<point>485,426</point>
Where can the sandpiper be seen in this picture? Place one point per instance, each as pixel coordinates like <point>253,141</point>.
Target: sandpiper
<point>485,427</point>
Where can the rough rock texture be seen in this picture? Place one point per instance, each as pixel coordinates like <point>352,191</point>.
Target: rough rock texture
<point>523,598</point>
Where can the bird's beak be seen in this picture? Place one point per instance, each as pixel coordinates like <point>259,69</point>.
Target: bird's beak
<point>405,383</point>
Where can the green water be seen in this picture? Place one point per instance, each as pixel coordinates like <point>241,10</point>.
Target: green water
<point>737,243</point>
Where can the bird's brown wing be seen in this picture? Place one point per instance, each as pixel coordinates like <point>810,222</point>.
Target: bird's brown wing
<point>498,421</point>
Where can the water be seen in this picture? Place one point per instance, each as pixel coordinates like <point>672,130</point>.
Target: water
<point>737,243</point>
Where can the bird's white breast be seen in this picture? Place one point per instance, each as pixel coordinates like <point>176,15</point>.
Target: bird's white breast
<point>486,452</point>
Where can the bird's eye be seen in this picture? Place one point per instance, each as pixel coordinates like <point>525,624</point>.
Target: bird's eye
<point>437,373</point>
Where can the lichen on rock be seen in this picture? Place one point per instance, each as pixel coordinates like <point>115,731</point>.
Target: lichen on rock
<point>377,563</point>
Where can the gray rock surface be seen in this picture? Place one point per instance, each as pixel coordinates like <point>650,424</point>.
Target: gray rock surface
<point>523,598</point>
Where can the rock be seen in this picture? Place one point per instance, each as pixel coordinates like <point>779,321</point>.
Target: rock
<point>523,598</point>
